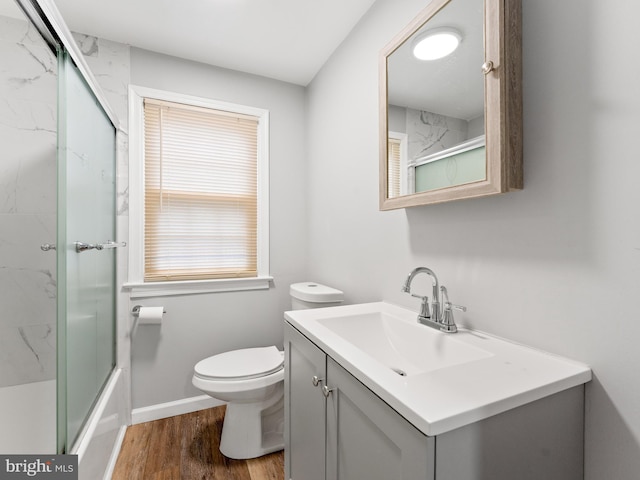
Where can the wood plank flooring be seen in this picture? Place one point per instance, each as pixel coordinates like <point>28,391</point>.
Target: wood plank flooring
<point>186,447</point>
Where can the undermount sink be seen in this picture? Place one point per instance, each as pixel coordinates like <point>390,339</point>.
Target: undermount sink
<point>406,348</point>
<point>437,381</point>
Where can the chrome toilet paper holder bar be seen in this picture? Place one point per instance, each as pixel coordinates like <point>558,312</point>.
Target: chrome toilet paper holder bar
<point>135,311</point>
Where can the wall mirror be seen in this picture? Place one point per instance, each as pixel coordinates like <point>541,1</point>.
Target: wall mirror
<point>451,104</point>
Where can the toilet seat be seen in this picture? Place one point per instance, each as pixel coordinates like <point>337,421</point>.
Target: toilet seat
<point>242,366</point>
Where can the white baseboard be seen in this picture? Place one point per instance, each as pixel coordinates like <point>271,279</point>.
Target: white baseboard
<point>171,409</point>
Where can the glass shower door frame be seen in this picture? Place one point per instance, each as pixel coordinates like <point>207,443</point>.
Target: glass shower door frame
<point>86,277</point>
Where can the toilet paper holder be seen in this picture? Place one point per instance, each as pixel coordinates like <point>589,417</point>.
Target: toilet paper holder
<point>135,311</point>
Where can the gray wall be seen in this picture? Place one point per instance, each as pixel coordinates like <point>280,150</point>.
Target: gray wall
<point>556,266</point>
<point>197,326</point>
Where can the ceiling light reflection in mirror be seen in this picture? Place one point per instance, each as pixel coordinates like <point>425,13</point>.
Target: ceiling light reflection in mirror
<point>436,43</point>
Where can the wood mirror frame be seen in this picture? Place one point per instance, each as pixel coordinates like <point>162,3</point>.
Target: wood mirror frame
<point>502,101</point>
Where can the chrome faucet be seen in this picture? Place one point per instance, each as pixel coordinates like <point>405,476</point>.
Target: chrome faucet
<point>440,317</point>
<point>424,309</point>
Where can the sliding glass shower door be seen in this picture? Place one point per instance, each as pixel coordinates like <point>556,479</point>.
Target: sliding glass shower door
<point>86,260</point>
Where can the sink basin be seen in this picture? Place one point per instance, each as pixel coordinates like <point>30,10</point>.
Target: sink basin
<point>438,381</point>
<point>406,348</point>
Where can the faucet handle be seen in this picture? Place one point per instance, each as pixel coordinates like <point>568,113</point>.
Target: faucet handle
<point>449,306</point>
<point>446,304</point>
<point>448,323</point>
<point>424,307</point>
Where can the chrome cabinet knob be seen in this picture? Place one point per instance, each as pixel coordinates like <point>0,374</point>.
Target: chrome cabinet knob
<point>487,67</point>
<point>326,391</point>
<point>316,380</point>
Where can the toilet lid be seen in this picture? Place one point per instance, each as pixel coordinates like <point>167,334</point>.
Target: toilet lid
<point>244,363</point>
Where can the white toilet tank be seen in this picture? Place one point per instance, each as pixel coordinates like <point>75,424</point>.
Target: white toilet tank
<point>314,295</point>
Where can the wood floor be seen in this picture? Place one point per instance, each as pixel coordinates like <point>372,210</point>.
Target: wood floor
<point>185,447</point>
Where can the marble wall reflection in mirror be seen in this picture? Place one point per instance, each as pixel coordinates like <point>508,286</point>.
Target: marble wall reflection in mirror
<point>433,143</point>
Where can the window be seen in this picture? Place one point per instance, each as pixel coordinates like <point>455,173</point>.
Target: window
<point>393,188</point>
<point>200,219</point>
<point>400,175</point>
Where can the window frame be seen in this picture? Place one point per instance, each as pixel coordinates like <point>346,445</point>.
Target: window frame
<point>136,284</point>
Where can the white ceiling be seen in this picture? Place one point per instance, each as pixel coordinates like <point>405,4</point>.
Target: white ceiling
<point>287,40</point>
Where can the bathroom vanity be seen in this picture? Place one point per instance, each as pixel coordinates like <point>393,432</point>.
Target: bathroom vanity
<point>370,394</point>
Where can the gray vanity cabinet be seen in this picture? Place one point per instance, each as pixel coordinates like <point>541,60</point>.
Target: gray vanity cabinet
<point>337,429</point>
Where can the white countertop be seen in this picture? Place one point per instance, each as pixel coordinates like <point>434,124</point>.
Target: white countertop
<point>506,376</point>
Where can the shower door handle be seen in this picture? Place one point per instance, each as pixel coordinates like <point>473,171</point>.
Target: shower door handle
<point>81,246</point>
<point>109,244</point>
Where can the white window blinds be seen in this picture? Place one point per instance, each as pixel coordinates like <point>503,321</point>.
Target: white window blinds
<point>200,200</point>
<point>393,164</point>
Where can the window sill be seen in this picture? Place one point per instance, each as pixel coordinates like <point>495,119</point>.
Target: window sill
<point>191,287</point>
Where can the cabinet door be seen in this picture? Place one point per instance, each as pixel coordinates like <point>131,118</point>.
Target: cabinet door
<point>305,408</point>
<point>367,439</point>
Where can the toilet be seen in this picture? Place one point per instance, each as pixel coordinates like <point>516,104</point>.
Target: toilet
<point>251,381</point>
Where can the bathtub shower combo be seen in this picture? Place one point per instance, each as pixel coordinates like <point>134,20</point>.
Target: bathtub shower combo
<point>58,190</point>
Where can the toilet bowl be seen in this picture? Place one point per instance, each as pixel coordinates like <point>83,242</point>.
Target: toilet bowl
<point>251,381</point>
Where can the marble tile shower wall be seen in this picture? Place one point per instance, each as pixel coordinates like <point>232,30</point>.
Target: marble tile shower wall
<point>28,116</point>
<point>110,63</point>
<point>430,132</point>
